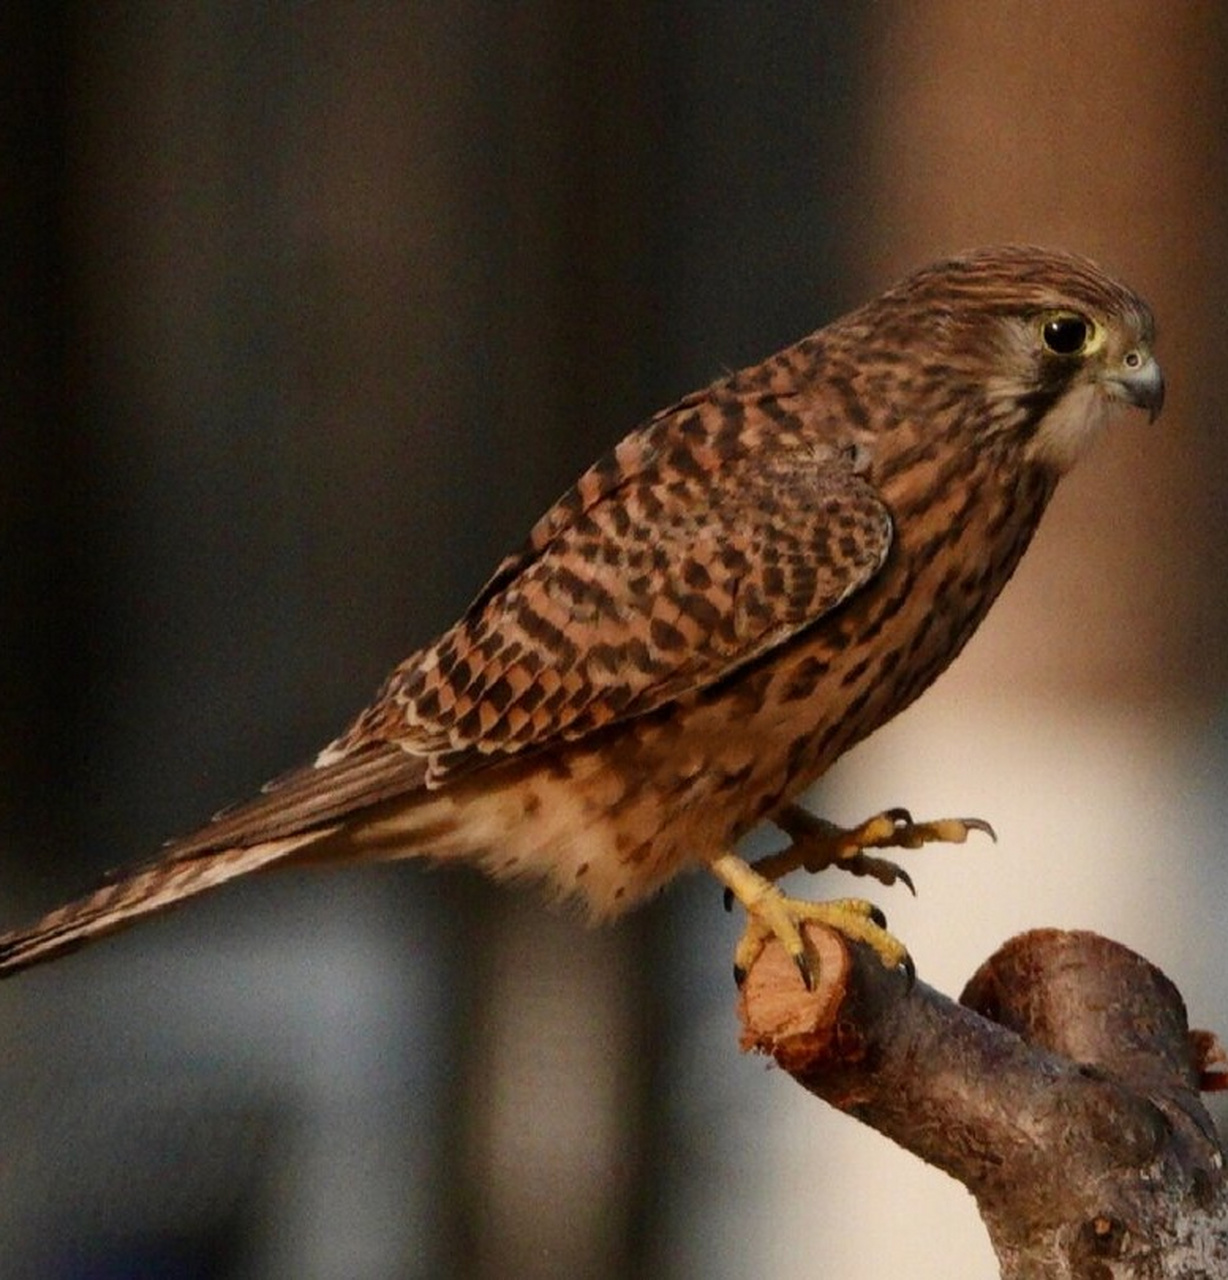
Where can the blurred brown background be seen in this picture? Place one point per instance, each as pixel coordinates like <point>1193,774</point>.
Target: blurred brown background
<point>310,309</point>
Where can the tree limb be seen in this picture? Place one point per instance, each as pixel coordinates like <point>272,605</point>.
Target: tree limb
<point>1063,1092</point>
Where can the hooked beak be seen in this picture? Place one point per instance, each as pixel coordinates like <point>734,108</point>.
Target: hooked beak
<point>1141,385</point>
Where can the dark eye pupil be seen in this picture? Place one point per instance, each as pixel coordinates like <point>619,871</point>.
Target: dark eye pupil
<point>1065,335</point>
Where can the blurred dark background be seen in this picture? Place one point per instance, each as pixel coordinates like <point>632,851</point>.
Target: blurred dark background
<point>309,310</point>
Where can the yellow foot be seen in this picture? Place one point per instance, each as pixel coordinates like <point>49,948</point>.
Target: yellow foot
<point>817,844</point>
<point>772,914</point>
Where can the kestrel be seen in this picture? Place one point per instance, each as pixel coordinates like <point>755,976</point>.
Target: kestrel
<point>751,582</point>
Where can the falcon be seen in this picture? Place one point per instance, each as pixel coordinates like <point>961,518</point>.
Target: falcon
<point>750,583</point>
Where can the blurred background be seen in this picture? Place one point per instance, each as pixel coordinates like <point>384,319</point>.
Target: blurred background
<point>308,311</point>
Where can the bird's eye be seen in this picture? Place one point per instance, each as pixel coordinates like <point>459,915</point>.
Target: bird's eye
<point>1066,333</point>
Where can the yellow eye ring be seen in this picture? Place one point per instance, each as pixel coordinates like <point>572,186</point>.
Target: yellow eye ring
<point>1067,333</point>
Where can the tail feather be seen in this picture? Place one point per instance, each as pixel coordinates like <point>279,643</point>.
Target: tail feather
<point>153,888</point>
<point>296,812</point>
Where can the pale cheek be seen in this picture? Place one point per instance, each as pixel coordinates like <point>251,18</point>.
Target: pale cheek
<point>1069,429</point>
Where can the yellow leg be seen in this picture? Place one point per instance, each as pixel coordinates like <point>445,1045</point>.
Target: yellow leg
<point>772,914</point>
<point>816,844</point>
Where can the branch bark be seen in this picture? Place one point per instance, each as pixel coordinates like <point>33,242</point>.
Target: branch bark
<point>1063,1092</point>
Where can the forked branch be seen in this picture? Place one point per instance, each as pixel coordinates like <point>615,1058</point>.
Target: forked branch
<point>1063,1091</point>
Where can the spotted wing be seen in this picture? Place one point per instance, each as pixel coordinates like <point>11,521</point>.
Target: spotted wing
<point>665,583</point>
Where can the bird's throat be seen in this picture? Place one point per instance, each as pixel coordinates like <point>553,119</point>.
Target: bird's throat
<point>1070,428</point>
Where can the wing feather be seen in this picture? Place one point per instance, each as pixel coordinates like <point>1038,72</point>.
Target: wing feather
<point>697,555</point>
<point>310,797</point>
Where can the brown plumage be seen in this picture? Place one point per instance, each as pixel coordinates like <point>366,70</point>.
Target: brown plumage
<point>750,583</point>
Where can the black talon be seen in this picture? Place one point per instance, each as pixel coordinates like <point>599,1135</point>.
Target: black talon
<point>727,898</point>
<point>905,879</point>
<point>878,918</point>
<point>901,817</point>
<point>803,967</point>
<point>739,975</point>
<point>910,972</point>
<point>979,824</point>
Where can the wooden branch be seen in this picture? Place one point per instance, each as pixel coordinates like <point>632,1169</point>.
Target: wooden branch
<point>1063,1091</point>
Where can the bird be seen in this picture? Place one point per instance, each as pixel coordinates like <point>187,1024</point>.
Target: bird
<point>747,585</point>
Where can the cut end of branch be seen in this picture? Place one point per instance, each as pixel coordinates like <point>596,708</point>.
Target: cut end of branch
<point>820,1030</point>
<point>1062,1093</point>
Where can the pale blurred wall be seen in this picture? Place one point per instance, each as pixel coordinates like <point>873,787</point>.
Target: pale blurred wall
<point>1103,130</point>
<point>311,314</point>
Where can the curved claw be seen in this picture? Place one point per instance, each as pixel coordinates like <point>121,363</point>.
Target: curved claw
<point>883,870</point>
<point>816,844</point>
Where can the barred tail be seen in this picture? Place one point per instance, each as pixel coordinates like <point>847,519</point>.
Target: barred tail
<point>289,821</point>
<point>154,887</point>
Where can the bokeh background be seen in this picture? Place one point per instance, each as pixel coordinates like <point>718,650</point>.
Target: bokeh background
<point>308,310</point>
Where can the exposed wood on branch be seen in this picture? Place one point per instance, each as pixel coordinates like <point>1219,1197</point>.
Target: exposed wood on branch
<point>1063,1091</point>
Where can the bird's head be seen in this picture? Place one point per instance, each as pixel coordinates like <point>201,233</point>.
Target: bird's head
<point>1044,344</point>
